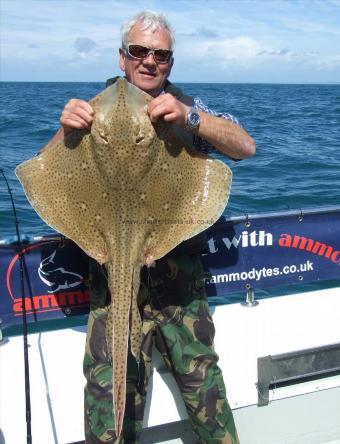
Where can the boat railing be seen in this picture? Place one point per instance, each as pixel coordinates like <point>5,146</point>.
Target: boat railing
<point>244,256</point>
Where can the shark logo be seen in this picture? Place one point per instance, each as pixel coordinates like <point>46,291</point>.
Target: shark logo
<point>57,278</point>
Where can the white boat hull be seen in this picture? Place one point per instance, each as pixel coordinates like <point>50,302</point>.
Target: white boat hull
<point>303,413</point>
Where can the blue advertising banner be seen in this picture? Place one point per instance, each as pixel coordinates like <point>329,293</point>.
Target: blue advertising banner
<point>257,251</point>
<point>262,252</point>
<point>54,278</point>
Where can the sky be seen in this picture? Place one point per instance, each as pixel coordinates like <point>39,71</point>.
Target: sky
<point>261,41</point>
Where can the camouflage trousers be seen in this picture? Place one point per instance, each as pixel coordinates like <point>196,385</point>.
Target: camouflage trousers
<point>176,317</point>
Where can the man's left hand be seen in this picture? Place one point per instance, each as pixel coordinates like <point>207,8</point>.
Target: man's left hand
<point>166,106</point>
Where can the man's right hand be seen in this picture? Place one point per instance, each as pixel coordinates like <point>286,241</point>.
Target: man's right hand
<point>77,114</point>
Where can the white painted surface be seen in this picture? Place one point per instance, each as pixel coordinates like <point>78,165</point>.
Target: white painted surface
<point>61,421</point>
<point>277,325</point>
<point>313,418</point>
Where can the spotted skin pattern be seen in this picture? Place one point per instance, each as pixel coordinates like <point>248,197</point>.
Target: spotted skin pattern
<point>127,193</point>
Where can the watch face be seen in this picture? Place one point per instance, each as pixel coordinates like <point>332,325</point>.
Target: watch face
<point>193,119</point>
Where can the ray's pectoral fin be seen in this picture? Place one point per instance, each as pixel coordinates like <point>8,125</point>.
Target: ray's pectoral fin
<point>67,192</point>
<point>189,199</point>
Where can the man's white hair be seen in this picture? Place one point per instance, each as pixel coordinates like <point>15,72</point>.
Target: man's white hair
<point>149,20</point>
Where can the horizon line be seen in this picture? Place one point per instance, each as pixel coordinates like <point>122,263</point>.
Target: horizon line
<point>179,81</point>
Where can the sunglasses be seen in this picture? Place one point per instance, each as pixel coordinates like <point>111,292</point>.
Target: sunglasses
<point>141,52</point>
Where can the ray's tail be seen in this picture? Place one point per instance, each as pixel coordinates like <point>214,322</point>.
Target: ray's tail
<point>118,328</point>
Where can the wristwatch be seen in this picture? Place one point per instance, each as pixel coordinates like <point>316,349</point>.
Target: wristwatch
<point>193,119</point>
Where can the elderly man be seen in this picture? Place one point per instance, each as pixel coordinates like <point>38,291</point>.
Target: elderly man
<point>172,299</point>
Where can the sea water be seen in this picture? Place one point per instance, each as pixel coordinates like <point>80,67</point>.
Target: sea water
<point>296,128</point>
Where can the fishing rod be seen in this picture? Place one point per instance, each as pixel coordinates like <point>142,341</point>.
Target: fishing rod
<point>24,316</point>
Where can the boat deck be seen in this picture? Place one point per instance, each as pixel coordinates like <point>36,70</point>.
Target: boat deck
<point>303,411</point>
